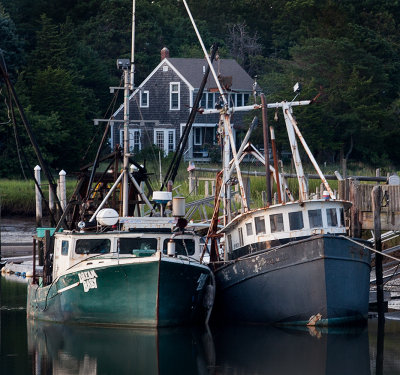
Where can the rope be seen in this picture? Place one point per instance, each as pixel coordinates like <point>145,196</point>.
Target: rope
<point>370,248</point>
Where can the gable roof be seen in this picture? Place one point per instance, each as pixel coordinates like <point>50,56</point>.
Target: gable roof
<point>193,71</point>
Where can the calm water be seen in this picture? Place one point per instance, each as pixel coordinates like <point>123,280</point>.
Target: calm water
<point>39,348</point>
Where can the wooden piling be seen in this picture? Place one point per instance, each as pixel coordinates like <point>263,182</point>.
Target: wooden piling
<point>376,198</point>
<point>38,197</point>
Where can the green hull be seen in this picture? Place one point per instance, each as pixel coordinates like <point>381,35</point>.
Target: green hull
<point>155,293</point>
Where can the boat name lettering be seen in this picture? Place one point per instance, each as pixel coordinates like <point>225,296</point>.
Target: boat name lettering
<point>88,280</point>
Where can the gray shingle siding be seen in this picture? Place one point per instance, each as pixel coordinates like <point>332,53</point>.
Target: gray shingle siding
<point>158,113</point>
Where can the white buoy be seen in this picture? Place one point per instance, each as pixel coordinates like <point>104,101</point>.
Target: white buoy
<point>107,217</point>
<point>171,248</point>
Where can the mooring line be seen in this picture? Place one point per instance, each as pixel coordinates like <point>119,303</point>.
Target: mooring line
<point>370,248</point>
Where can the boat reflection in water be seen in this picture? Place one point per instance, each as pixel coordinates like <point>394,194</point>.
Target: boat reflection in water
<point>272,350</point>
<point>66,349</point>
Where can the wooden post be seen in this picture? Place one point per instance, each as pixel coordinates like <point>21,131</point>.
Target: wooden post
<point>52,206</point>
<point>206,188</point>
<point>376,209</point>
<point>62,189</point>
<point>34,262</point>
<point>264,198</point>
<point>37,170</point>
<point>192,182</point>
<point>355,210</point>
<point>213,187</point>
<point>46,275</point>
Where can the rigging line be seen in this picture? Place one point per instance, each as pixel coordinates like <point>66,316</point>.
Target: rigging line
<point>111,105</point>
<point>371,248</point>
<point>10,110</point>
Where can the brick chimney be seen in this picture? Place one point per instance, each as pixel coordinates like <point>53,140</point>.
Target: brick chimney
<point>164,53</point>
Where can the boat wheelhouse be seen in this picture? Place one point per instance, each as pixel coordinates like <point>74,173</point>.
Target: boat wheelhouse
<point>280,224</point>
<point>125,277</point>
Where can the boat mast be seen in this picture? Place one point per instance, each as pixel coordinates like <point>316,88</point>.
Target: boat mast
<point>133,46</point>
<point>229,143</point>
<point>303,190</point>
<point>128,85</point>
<point>125,195</point>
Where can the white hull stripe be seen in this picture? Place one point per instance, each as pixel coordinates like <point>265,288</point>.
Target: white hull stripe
<point>68,287</point>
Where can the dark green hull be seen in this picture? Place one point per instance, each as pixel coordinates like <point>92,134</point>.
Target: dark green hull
<point>155,293</point>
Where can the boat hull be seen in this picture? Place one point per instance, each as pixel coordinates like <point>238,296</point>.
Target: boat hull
<point>325,277</point>
<point>152,293</point>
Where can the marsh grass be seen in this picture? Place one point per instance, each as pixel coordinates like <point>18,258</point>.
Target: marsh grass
<point>17,197</point>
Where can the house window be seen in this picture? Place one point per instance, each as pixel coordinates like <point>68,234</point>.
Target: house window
<point>246,98</point>
<point>315,218</point>
<point>174,89</point>
<point>332,217</point>
<point>249,229</point>
<point>276,222</point>
<point>260,224</point>
<point>164,139</point>
<point>159,135</point>
<point>134,139</point>
<point>210,100</point>
<point>296,220</point>
<point>144,99</point>
<point>203,101</point>
<point>171,141</point>
<point>239,100</point>
<point>198,136</point>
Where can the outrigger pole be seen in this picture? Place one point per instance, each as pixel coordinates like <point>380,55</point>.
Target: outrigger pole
<point>229,143</point>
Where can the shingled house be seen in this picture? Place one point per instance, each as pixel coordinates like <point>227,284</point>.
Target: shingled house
<point>160,106</point>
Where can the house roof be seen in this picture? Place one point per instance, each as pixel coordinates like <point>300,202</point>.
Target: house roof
<point>193,71</point>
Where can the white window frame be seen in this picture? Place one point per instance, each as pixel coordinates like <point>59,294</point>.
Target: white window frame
<point>144,93</point>
<point>131,138</point>
<point>166,133</point>
<point>174,92</point>
<point>197,129</point>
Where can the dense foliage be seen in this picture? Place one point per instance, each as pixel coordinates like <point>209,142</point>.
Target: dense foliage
<point>61,57</point>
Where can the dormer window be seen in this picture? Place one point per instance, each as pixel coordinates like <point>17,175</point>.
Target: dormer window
<point>174,99</point>
<point>144,99</point>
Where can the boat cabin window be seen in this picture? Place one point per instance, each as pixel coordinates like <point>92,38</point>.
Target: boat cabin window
<point>230,242</point>
<point>93,246</point>
<point>276,222</point>
<point>341,213</point>
<point>315,218</point>
<point>249,229</point>
<point>331,217</point>
<point>296,220</point>
<point>260,224</point>
<point>182,246</point>
<point>64,247</point>
<point>131,245</point>
<point>240,236</point>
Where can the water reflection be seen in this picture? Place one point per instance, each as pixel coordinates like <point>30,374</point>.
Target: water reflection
<point>66,349</point>
<point>259,350</point>
<point>47,348</point>
<point>63,349</point>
